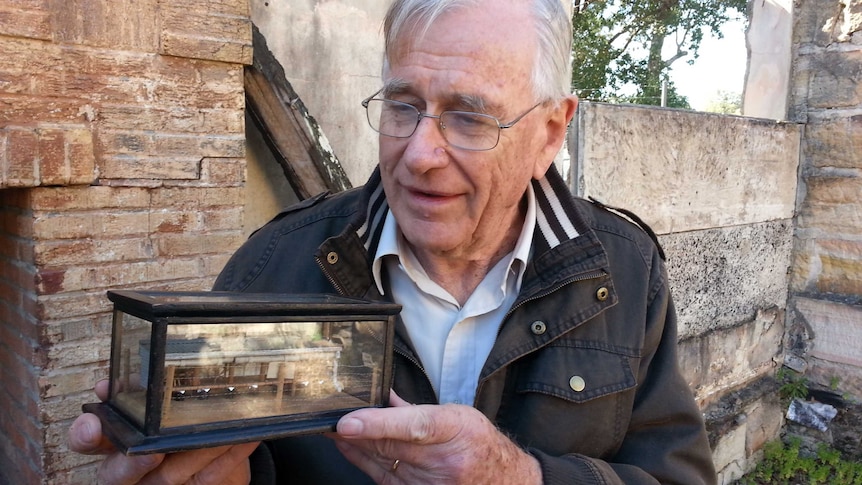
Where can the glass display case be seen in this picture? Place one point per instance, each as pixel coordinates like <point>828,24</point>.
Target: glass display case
<point>200,369</point>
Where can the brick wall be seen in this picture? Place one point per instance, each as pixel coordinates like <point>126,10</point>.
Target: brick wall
<point>122,160</point>
<point>826,287</point>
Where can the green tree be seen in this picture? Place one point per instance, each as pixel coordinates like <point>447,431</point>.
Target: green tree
<point>725,102</point>
<point>621,43</point>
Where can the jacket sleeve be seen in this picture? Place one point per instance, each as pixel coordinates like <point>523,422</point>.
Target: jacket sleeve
<point>665,441</point>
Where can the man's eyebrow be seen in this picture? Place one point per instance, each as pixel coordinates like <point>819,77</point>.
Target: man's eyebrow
<point>394,86</point>
<point>472,102</point>
<point>465,102</point>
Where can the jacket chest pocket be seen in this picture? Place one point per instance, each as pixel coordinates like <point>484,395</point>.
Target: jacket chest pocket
<point>577,374</point>
<point>571,399</point>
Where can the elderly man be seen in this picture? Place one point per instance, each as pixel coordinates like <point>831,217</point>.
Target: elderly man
<point>537,340</point>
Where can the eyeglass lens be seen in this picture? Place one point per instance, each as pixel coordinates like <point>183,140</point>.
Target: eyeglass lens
<point>463,129</point>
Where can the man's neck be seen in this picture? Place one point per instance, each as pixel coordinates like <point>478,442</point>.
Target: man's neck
<point>461,273</point>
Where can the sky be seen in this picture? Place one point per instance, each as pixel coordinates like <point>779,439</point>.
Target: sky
<point>720,67</point>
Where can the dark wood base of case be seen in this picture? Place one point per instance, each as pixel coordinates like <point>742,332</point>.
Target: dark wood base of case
<point>129,439</point>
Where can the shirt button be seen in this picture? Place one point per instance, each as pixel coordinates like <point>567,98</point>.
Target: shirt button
<point>538,327</point>
<point>602,294</point>
<point>577,383</point>
<point>332,257</point>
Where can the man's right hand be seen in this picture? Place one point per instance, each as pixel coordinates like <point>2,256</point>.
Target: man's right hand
<point>221,465</point>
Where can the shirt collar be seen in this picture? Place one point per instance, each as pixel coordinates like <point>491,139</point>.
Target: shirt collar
<point>390,235</point>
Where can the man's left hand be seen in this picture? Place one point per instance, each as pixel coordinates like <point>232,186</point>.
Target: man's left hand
<point>448,443</point>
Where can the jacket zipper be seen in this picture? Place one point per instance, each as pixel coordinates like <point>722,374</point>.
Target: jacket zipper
<point>340,289</point>
<point>343,292</point>
<point>583,277</point>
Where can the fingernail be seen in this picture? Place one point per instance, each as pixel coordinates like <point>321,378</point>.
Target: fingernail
<point>89,434</point>
<point>350,427</point>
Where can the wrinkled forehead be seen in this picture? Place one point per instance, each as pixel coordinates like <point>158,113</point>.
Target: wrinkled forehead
<point>491,33</point>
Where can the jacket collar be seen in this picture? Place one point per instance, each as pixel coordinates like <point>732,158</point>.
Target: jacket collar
<point>557,218</point>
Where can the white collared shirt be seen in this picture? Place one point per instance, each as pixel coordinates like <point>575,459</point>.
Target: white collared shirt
<point>451,341</point>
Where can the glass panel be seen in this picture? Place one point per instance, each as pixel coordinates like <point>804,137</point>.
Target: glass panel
<point>233,371</point>
<point>129,389</point>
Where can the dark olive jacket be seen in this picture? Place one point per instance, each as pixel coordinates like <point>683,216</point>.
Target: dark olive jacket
<point>583,374</point>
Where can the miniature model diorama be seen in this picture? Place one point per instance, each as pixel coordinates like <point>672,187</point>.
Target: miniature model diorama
<point>199,369</point>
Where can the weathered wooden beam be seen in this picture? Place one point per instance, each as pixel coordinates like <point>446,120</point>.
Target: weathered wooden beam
<point>294,136</point>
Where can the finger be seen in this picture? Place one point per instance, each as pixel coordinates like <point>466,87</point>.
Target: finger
<point>396,401</point>
<point>119,469</point>
<point>230,468</point>
<point>414,424</point>
<point>85,436</point>
<point>181,467</point>
<point>102,389</point>
<point>371,465</point>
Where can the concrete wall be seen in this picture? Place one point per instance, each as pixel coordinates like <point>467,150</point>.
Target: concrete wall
<point>332,53</point>
<point>770,46</point>
<point>720,193</point>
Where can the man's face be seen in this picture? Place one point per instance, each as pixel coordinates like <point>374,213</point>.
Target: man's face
<point>448,201</point>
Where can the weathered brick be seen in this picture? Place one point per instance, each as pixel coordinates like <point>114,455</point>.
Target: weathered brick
<point>80,198</point>
<point>173,268</point>
<point>224,219</point>
<point>63,355</point>
<point>169,145</point>
<point>834,80</point>
<point>132,167</point>
<point>172,221</point>
<point>223,171</point>
<point>213,264</point>
<point>832,205</point>
<point>60,382</point>
<point>21,111</point>
<point>197,198</point>
<point>811,19</point>
<point>26,18</point>
<point>133,117</point>
<point>23,152</point>
<point>93,224</point>
<point>52,162</point>
<point>228,36</point>
<point>835,143</point>
<point>71,305</point>
<point>197,244</point>
<point>92,251</point>
<point>77,278</point>
<point>97,23</point>
<point>80,157</point>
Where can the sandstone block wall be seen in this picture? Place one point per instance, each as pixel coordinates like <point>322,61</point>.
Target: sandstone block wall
<point>720,193</point>
<point>825,317</point>
<point>122,159</point>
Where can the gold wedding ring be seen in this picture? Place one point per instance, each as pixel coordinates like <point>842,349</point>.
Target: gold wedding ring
<point>395,466</point>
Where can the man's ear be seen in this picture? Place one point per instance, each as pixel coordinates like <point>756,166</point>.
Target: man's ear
<point>556,126</point>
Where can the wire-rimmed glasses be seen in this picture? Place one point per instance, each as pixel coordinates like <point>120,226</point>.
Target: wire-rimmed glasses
<point>467,130</point>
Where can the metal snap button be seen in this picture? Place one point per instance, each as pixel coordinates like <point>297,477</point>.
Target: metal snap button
<point>602,293</point>
<point>538,327</point>
<point>577,383</point>
<point>332,257</point>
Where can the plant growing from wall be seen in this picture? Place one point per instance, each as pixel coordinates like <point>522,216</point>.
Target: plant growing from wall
<point>786,463</point>
<point>793,384</point>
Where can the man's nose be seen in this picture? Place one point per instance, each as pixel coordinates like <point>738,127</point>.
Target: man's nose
<point>426,148</point>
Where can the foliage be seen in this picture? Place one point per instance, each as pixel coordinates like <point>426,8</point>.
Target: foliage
<point>785,463</point>
<point>619,43</point>
<point>793,384</point>
<point>726,102</point>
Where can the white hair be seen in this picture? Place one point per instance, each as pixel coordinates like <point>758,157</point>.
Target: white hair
<point>552,68</point>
